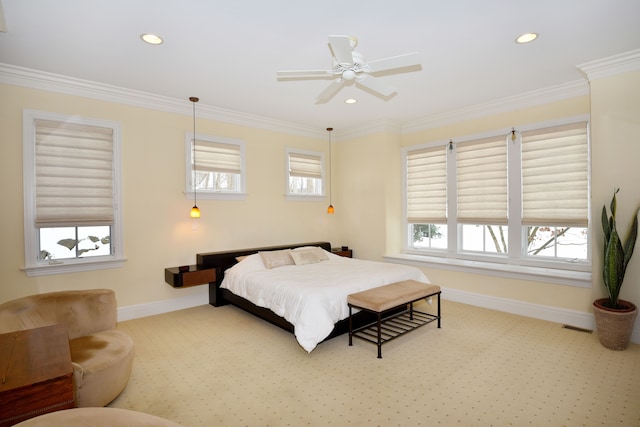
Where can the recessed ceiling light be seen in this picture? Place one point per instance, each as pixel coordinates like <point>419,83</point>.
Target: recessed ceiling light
<point>526,38</point>
<point>350,101</point>
<point>151,39</point>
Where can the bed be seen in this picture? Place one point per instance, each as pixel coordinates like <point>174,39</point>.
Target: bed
<point>267,282</point>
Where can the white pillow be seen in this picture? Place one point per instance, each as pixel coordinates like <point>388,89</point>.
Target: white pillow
<point>320,253</point>
<point>308,256</point>
<point>273,259</point>
<point>248,263</point>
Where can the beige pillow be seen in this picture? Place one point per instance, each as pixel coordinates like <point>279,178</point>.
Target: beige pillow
<point>320,253</point>
<point>273,259</point>
<point>308,256</point>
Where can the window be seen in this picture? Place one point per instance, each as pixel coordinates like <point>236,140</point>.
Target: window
<point>555,191</point>
<point>512,198</point>
<point>427,197</point>
<point>219,167</point>
<point>305,173</point>
<point>72,193</point>
<point>481,179</point>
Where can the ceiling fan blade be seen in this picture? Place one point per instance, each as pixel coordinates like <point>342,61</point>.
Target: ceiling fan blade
<point>330,91</point>
<point>304,74</point>
<point>341,48</point>
<point>400,61</point>
<point>375,85</point>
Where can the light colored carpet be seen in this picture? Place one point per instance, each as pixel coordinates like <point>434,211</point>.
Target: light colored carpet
<point>208,366</point>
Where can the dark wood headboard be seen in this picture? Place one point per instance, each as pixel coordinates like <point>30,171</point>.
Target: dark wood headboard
<point>221,261</point>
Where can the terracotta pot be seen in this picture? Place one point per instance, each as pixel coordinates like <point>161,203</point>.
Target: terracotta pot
<point>614,326</point>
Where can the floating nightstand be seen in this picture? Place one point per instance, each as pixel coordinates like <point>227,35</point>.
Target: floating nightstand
<point>191,275</point>
<point>343,251</point>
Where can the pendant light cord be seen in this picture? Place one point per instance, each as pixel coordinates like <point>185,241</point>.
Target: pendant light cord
<point>330,170</point>
<point>193,99</point>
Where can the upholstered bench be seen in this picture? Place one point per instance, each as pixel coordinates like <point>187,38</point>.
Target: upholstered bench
<point>386,302</point>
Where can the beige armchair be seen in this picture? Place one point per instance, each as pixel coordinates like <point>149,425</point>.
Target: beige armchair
<point>102,356</point>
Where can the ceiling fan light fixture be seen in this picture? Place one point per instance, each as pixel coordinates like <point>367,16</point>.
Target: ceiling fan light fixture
<point>151,39</point>
<point>348,75</point>
<point>526,38</point>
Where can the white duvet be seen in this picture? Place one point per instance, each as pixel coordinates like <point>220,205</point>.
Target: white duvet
<point>312,297</point>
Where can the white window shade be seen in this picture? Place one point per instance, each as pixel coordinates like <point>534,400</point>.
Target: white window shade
<point>482,181</point>
<point>555,176</point>
<point>305,165</point>
<point>74,174</point>
<point>217,157</point>
<point>427,186</point>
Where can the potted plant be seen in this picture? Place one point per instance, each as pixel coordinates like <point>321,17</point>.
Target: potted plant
<point>615,317</point>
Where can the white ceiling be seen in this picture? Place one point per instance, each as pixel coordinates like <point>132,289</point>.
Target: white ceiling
<point>227,52</point>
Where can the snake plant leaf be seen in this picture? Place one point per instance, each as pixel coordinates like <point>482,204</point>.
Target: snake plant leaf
<point>630,240</point>
<point>68,243</point>
<point>614,204</point>
<point>605,228</point>
<point>613,271</point>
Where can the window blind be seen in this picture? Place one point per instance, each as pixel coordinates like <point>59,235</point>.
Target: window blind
<point>427,186</point>
<point>482,181</point>
<point>217,157</point>
<point>555,176</point>
<point>74,174</point>
<point>305,165</point>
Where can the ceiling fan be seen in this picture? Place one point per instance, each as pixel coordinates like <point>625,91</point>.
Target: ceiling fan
<point>350,67</point>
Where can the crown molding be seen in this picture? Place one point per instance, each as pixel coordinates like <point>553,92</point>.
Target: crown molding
<point>379,126</point>
<point>35,79</point>
<point>529,99</point>
<point>611,65</point>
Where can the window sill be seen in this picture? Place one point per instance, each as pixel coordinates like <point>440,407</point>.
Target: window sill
<point>523,272</point>
<point>72,266</point>
<point>203,195</point>
<point>306,198</point>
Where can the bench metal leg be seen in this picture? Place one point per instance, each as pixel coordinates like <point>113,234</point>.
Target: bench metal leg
<point>438,310</point>
<point>379,336</point>
<point>350,327</point>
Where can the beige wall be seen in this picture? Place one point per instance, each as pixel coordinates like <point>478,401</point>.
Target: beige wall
<point>157,228</point>
<point>615,127</point>
<point>369,188</point>
<point>366,194</point>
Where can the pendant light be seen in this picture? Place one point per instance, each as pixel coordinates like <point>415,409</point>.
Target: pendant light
<point>330,209</point>
<point>195,212</point>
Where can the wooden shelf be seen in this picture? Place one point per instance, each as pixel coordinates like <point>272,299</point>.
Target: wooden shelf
<point>192,275</point>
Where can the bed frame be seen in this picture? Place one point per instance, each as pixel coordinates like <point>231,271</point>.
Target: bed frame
<point>221,261</point>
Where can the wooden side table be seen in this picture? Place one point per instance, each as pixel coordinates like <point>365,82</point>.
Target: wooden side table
<point>191,275</point>
<point>36,373</point>
<point>348,253</point>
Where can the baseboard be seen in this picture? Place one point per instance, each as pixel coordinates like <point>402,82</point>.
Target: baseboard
<point>542,312</point>
<point>200,297</point>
